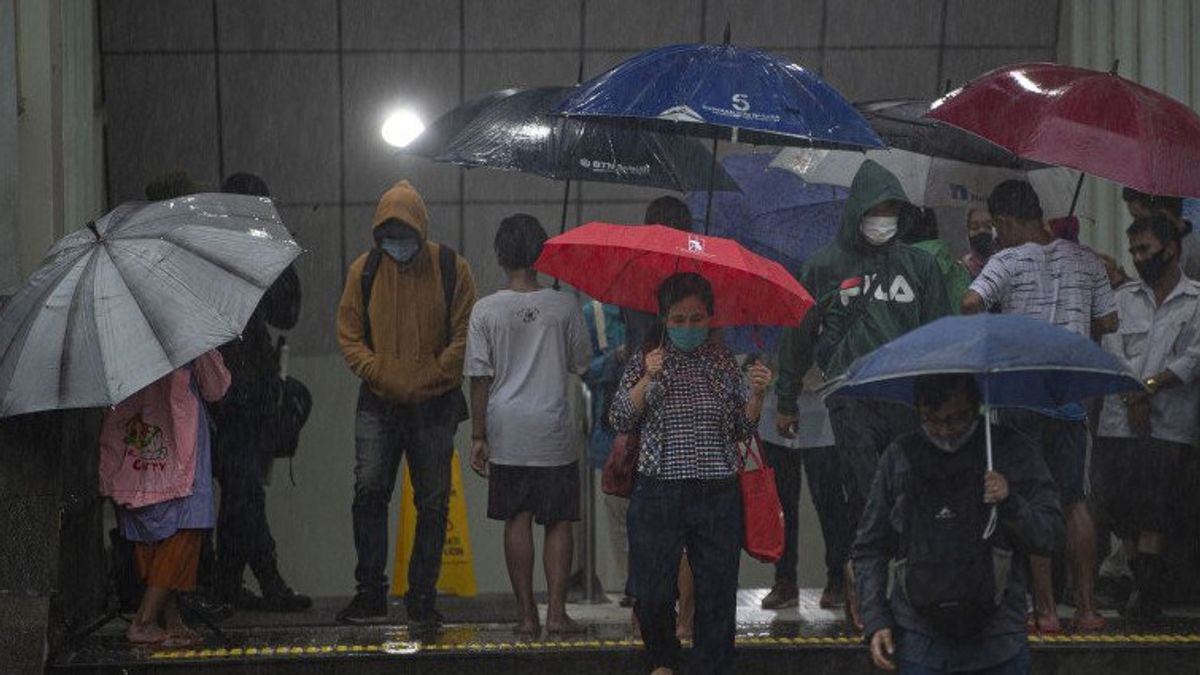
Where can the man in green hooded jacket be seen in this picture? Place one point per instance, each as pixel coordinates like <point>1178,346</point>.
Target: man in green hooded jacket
<point>869,288</point>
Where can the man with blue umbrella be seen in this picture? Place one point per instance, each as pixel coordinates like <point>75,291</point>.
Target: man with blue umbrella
<point>1064,284</point>
<point>869,288</point>
<point>941,590</point>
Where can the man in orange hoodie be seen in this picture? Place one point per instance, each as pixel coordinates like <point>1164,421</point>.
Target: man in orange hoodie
<point>402,328</point>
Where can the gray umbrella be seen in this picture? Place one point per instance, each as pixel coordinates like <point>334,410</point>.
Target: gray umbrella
<point>139,292</point>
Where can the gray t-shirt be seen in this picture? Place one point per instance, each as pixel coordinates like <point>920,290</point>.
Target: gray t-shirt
<point>528,343</point>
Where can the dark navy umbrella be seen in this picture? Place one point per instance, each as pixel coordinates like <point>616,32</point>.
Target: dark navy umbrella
<point>1017,361</point>
<point>776,215</point>
<point>512,130</point>
<point>724,92</point>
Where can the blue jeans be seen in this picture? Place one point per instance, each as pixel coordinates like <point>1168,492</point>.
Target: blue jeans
<point>706,516</point>
<point>1017,665</point>
<point>825,488</point>
<point>383,434</point>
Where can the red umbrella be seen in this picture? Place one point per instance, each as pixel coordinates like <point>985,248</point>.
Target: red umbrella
<point>624,265</point>
<point>1099,123</point>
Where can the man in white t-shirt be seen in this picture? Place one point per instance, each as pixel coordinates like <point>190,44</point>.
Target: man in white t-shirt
<point>1065,284</point>
<point>523,343</point>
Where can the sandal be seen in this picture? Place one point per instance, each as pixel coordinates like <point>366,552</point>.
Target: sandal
<point>1095,624</point>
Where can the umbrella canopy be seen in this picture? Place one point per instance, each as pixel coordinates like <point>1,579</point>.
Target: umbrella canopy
<point>1099,123</point>
<point>511,130</point>
<point>1017,360</point>
<point>930,181</point>
<point>141,291</point>
<point>625,264</point>
<point>724,92</point>
<point>903,125</point>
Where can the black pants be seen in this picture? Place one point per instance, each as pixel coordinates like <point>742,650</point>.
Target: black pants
<point>825,488</point>
<point>862,430</point>
<point>706,516</point>
<point>243,533</point>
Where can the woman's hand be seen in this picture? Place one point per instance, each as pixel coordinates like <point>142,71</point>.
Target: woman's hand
<point>760,378</point>
<point>653,363</point>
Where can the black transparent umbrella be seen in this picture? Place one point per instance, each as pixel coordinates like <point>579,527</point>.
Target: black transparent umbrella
<point>511,130</point>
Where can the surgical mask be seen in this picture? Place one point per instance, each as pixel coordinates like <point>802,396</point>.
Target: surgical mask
<point>687,339</point>
<point>983,244</point>
<point>879,230</point>
<point>951,444</point>
<point>400,250</point>
<point>1153,268</point>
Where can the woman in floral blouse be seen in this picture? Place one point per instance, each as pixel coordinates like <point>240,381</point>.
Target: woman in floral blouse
<point>690,403</point>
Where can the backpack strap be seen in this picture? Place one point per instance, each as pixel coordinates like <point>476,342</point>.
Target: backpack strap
<point>367,281</point>
<point>448,264</point>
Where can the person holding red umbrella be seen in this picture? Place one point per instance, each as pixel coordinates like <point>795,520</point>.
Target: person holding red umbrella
<point>690,403</point>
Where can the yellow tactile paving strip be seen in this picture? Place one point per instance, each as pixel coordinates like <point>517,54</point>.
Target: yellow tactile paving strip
<point>404,647</point>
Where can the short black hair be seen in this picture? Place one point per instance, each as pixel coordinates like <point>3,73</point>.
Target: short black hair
<point>683,285</point>
<point>519,241</point>
<point>934,390</point>
<point>917,224</point>
<point>171,185</point>
<point>1172,205</point>
<point>669,211</point>
<point>1016,199</point>
<point>246,184</point>
<point>1158,225</point>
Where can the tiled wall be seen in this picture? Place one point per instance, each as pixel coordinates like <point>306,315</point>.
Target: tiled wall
<point>296,91</point>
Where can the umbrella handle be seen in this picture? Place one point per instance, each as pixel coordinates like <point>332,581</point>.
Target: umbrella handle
<point>987,429</point>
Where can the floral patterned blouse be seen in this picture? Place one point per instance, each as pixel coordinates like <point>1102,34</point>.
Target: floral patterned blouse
<point>694,415</point>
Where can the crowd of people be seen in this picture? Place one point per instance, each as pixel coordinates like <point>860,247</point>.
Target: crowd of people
<point>411,328</point>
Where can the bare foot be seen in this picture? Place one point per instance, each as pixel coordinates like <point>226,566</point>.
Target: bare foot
<point>182,631</point>
<point>528,627</point>
<point>145,634</point>
<point>1046,624</point>
<point>683,632</point>
<point>564,625</point>
<point>1089,623</point>
<point>662,671</point>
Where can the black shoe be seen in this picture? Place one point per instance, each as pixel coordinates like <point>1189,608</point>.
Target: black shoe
<point>243,598</point>
<point>783,594</point>
<point>366,607</point>
<point>286,600</point>
<point>424,619</point>
<point>199,607</point>
<point>1149,576</point>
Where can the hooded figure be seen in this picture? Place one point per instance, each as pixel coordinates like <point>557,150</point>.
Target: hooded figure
<point>869,288</point>
<point>407,346</point>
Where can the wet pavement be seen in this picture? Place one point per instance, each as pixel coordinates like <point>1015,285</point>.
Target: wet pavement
<point>478,633</point>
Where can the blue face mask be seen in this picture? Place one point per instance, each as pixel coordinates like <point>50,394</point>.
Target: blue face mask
<point>687,339</point>
<point>400,250</point>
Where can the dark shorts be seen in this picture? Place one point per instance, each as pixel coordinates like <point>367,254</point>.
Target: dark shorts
<point>1065,446</point>
<point>550,493</point>
<point>1137,484</point>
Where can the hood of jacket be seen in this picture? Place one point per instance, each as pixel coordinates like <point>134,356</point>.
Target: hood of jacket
<point>402,202</point>
<point>872,185</point>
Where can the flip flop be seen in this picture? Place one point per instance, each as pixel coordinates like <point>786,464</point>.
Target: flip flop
<point>1092,625</point>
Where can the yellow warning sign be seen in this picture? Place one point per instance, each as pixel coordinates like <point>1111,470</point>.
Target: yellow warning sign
<point>458,572</point>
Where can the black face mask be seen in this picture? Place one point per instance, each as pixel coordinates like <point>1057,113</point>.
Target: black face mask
<point>983,244</point>
<point>1153,268</point>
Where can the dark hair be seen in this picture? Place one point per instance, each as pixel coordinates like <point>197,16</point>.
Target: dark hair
<point>1158,225</point>
<point>917,224</point>
<point>1016,199</point>
<point>246,184</point>
<point>171,185</point>
<point>683,285</point>
<point>1172,205</point>
<point>934,390</point>
<point>519,241</point>
<point>669,211</point>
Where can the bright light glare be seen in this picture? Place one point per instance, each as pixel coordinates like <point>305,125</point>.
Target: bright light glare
<point>401,127</point>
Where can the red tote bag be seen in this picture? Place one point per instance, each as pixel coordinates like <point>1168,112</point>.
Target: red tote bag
<point>621,465</point>
<point>761,512</point>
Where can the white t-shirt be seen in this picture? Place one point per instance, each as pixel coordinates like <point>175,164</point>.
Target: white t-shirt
<point>528,343</point>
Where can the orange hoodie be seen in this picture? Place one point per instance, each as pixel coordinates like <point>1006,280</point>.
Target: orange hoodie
<point>412,362</point>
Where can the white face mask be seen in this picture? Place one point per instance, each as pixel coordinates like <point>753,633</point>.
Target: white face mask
<point>879,230</point>
<point>952,443</point>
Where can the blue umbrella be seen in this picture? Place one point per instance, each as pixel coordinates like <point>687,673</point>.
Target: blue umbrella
<point>1017,361</point>
<point>724,92</point>
<point>776,215</point>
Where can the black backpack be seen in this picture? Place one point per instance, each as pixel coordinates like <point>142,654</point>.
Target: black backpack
<point>953,577</point>
<point>450,407</point>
